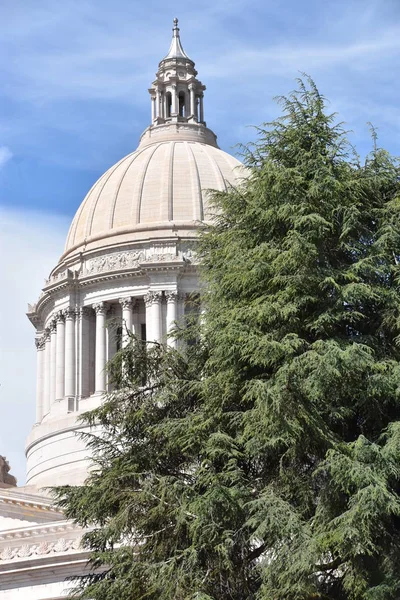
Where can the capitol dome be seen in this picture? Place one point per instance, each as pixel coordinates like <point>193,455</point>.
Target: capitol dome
<point>129,266</point>
<point>163,185</point>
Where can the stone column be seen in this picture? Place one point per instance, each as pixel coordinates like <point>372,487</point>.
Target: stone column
<point>192,101</point>
<point>100,357</point>
<point>111,334</point>
<point>111,339</point>
<point>84,357</point>
<point>153,108</point>
<point>40,346</point>
<point>127,319</point>
<point>174,98</point>
<point>158,100</point>
<point>60,357</point>
<point>46,372</point>
<point>181,306</point>
<point>153,316</point>
<point>53,360</point>
<point>135,319</point>
<point>202,108</point>
<point>180,312</point>
<point>172,300</point>
<point>70,390</point>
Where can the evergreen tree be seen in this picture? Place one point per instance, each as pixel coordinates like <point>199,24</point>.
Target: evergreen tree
<point>263,462</point>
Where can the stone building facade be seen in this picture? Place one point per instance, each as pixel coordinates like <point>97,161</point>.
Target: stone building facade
<point>129,262</point>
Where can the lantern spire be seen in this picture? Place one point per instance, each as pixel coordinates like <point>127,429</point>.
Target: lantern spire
<point>176,50</point>
<point>177,94</point>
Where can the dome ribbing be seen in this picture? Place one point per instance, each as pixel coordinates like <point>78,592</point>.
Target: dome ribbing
<point>161,183</point>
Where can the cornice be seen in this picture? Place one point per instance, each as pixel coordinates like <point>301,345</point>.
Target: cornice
<point>8,498</point>
<point>36,573</point>
<point>38,530</point>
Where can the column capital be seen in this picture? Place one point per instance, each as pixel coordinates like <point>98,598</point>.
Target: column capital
<point>100,308</point>
<point>171,295</point>
<point>40,342</point>
<point>69,313</point>
<point>53,325</point>
<point>84,311</point>
<point>127,302</point>
<point>152,298</point>
<point>46,335</point>
<point>60,318</point>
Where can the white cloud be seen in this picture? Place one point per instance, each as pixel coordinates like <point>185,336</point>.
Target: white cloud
<point>30,245</point>
<point>280,59</point>
<point>5,155</point>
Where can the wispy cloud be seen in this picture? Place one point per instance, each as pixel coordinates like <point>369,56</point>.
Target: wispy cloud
<point>5,155</point>
<point>289,58</point>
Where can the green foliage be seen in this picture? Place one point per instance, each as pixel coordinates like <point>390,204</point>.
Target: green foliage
<point>262,463</point>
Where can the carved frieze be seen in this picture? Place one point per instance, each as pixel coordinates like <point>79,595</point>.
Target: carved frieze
<point>160,257</point>
<point>188,253</point>
<point>114,262</point>
<point>134,259</point>
<point>26,550</point>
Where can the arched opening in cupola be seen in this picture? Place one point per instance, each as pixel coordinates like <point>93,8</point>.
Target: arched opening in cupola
<point>182,104</point>
<point>168,103</point>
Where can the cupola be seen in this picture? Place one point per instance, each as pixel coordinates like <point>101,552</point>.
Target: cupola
<point>176,94</point>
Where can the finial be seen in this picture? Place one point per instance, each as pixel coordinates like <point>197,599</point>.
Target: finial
<point>176,50</point>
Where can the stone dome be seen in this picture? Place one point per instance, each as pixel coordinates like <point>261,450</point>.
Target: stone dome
<point>163,186</point>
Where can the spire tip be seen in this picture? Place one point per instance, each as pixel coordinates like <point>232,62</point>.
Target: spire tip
<point>176,50</point>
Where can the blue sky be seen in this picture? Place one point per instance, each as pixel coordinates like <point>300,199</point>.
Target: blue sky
<point>74,78</point>
<point>73,100</point>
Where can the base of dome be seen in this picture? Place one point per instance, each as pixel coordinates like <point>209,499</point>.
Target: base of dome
<point>173,131</point>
